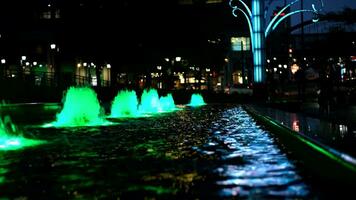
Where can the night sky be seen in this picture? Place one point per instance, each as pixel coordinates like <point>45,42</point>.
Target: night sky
<point>330,6</point>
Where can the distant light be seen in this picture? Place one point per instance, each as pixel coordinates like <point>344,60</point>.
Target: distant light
<point>266,70</point>
<point>34,63</point>
<point>274,69</point>
<point>226,60</point>
<point>280,72</point>
<point>285,66</point>
<point>3,61</point>
<point>290,50</point>
<point>53,46</point>
<point>85,64</point>
<point>23,57</point>
<point>92,64</point>
<point>27,63</point>
<point>274,58</point>
<point>294,68</point>
<point>108,66</point>
<point>294,60</point>
<point>305,58</point>
<point>207,70</point>
<point>49,5</point>
<point>159,67</point>
<point>79,65</point>
<point>166,59</point>
<point>268,60</point>
<point>40,65</point>
<point>280,66</point>
<point>178,59</point>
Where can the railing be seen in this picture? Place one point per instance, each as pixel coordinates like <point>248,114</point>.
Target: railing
<point>48,79</point>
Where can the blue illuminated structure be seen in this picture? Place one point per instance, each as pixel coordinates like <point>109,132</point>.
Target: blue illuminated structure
<point>258,31</point>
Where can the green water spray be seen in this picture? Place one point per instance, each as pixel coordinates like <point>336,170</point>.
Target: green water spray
<point>167,103</point>
<point>197,100</point>
<point>11,138</point>
<point>125,104</point>
<point>149,102</point>
<point>81,108</point>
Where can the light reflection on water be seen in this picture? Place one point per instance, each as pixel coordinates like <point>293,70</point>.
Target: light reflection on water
<point>263,170</point>
<point>206,153</point>
<point>341,137</point>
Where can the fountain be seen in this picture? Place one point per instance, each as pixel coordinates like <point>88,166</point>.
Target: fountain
<point>167,103</point>
<point>81,108</point>
<point>196,100</point>
<point>11,138</point>
<point>149,102</point>
<point>125,105</point>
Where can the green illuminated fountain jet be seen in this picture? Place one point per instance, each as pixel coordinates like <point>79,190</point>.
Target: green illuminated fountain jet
<point>196,100</point>
<point>81,108</point>
<point>149,102</point>
<point>125,104</point>
<point>11,138</point>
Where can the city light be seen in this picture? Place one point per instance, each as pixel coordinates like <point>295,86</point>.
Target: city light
<point>294,68</point>
<point>27,63</point>
<point>226,60</point>
<point>108,66</point>
<point>79,65</point>
<point>159,67</point>
<point>280,66</point>
<point>166,59</point>
<point>85,64</point>
<point>178,59</point>
<point>23,57</point>
<point>207,70</point>
<point>34,63</point>
<point>285,66</point>
<point>3,61</point>
<point>274,58</point>
<point>53,46</point>
<point>268,60</point>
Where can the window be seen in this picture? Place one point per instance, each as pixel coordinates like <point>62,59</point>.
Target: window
<point>240,43</point>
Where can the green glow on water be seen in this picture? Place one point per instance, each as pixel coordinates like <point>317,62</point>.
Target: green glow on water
<point>156,189</point>
<point>197,100</point>
<point>10,139</point>
<point>125,104</point>
<point>81,108</point>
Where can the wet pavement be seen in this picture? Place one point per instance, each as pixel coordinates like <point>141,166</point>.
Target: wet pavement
<point>338,135</point>
<point>207,152</point>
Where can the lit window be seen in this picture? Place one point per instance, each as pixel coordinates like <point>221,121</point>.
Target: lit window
<point>240,43</point>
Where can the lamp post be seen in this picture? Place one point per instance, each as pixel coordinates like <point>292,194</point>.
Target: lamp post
<point>52,63</point>
<point>258,30</point>
<point>3,68</point>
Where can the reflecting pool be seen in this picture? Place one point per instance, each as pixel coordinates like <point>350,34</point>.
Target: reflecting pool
<point>210,152</point>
